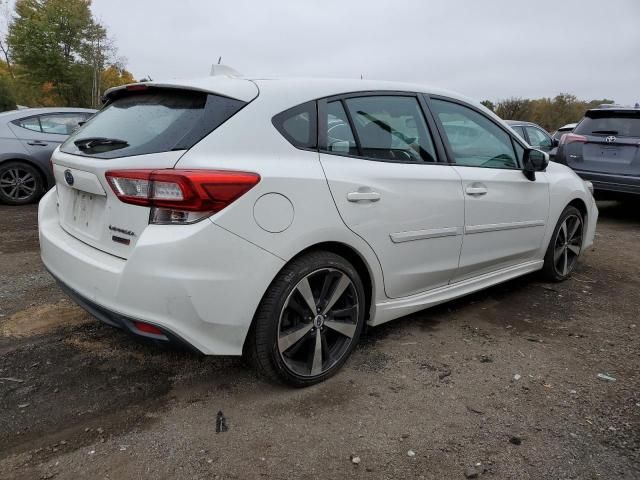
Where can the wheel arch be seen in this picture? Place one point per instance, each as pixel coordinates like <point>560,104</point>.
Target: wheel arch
<point>582,208</point>
<point>354,257</point>
<point>339,248</point>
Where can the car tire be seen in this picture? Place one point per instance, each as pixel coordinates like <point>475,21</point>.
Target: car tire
<point>565,246</point>
<point>288,343</point>
<point>20,183</point>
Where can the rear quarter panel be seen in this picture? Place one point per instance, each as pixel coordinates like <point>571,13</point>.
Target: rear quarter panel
<point>249,142</point>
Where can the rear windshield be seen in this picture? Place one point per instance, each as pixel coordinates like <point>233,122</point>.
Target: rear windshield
<point>151,121</point>
<point>610,123</point>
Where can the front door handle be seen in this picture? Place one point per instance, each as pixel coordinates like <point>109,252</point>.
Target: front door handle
<point>476,190</point>
<point>37,144</point>
<point>363,196</point>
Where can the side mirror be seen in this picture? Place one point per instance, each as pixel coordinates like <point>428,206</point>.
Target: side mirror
<point>534,161</point>
<point>554,142</point>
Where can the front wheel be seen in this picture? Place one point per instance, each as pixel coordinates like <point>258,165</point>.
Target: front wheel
<point>565,245</point>
<point>309,320</point>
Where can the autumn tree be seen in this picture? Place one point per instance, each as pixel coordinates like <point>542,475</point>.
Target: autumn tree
<point>61,51</point>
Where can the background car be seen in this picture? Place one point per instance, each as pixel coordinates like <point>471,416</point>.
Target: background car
<point>535,135</point>
<point>275,218</point>
<point>568,128</point>
<point>28,137</point>
<point>605,149</point>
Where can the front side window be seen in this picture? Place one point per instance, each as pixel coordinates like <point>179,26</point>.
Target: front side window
<point>151,121</point>
<point>475,140</point>
<point>391,128</point>
<point>538,139</point>
<point>61,124</point>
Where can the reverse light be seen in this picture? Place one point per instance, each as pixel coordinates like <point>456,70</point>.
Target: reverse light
<point>180,196</point>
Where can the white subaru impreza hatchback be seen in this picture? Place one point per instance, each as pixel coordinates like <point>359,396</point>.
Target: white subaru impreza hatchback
<point>276,217</point>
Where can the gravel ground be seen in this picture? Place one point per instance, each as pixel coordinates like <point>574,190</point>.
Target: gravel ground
<point>502,384</point>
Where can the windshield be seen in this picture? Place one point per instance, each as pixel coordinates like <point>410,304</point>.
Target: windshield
<point>151,121</point>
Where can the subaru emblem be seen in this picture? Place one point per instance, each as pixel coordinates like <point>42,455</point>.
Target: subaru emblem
<point>68,176</point>
<point>610,139</point>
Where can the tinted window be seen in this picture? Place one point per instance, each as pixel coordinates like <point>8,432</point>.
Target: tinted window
<point>474,139</point>
<point>391,128</point>
<point>32,123</point>
<point>152,121</point>
<point>62,124</point>
<point>298,125</point>
<point>537,138</point>
<point>610,124</point>
<point>340,137</point>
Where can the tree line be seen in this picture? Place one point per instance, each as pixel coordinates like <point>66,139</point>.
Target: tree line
<point>549,113</point>
<point>55,53</point>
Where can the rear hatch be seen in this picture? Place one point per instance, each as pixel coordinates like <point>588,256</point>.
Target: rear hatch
<point>146,127</point>
<point>606,141</point>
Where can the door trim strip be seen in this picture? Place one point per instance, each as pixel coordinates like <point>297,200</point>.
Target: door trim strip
<point>402,237</point>
<point>497,227</point>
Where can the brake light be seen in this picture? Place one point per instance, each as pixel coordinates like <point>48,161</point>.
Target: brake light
<point>568,138</point>
<point>136,87</point>
<point>180,196</point>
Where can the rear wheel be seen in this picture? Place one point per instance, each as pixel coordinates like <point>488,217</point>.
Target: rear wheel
<point>565,246</point>
<point>309,320</point>
<point>20,183</point>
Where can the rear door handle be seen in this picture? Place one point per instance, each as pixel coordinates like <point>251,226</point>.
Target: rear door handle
<point>363,196</point>
<point>476,190</point>
<point>37,144</point>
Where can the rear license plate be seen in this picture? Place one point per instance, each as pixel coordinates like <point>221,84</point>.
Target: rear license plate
<point>82,209</point>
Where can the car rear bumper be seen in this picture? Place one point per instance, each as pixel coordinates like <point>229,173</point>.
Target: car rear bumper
<point>612,183</point>
<point>198,283</point>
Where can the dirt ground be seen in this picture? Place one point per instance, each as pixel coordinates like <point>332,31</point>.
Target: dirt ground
<point>502,384</point>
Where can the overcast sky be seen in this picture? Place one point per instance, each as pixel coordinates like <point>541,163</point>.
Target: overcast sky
<point>483,48</point>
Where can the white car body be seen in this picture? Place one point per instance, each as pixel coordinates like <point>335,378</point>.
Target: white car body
<point>427,240</point>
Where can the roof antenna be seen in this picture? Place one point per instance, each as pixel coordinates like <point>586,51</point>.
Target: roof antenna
<point>219,59</point>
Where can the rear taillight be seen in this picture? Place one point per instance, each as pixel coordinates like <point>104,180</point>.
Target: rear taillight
<point>180,196</point>
<point>568,138</point>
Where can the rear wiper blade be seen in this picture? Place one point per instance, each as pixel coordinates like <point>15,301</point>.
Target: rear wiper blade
<point>90,143</point>
<point>606,132</point>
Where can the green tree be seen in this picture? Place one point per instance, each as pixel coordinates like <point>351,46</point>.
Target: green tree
<point>513,108</point>
<point>59,42</point>
<point>489,104</point>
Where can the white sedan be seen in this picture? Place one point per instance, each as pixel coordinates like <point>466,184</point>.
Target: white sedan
<point>275,218</point>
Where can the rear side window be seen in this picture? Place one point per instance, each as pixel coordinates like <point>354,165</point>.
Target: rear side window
<point>391,128</point>
<point>340,137</point>
<point>609,123</point>
<point>31,123</point>
<point>298,125</point>
<point>151,121</point>
<point>62,123</point>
